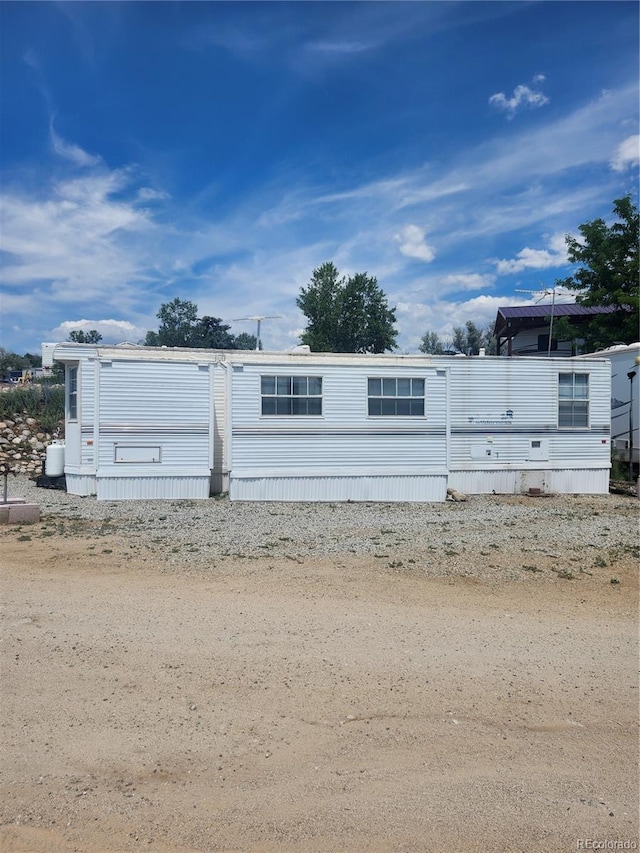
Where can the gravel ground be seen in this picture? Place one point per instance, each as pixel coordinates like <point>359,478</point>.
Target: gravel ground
<point>327,678</point>
<point>440,538</point>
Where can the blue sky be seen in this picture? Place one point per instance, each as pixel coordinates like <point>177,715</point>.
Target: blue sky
<point>219,152</point>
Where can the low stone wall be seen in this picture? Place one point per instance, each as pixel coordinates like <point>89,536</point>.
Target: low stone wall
<point>23,445</point>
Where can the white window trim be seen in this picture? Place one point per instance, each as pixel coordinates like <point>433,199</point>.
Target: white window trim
<point>586,399</point>
<point>68,394</point>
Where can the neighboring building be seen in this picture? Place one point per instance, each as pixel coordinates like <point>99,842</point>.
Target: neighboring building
<point>525,329</point>
<point>145,422</point>
<point>625,400</point>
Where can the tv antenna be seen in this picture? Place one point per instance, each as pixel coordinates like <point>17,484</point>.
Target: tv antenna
<point>258,319</point>
<point>546,291</point>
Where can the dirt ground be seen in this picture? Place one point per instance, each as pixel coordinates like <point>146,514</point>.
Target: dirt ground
<point>318,705</point>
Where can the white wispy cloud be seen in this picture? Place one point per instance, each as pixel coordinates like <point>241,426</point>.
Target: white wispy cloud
<point>149,194</point>
<point>468,281</point>
<point>75,236</point>
<point>112,331</point>
<point>71,152</point>
<point>412,243</point>
<point>535,259</point>
<point>523,97</point>
<point>95,241</point>
<point>627,154</point>
<point>440,316</point>
<point>341,47</point>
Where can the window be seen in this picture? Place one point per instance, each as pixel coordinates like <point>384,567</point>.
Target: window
<point>543,343</point>
<point>396,397</point>
<point>72,393</point>
<point>291,395</point>
<point>573,400</point>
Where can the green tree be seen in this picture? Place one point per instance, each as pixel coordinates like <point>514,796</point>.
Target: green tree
<point>11,361</point>
<point>178,320</point>
<point>34,359</point>
<point>180,326</point>
<point>468,339</point>
<point>608,275</point>
<point>319,302</point>
<point>431,344</point>
<point>77,336</point>
<point>563,330</point>
<point>211,333</point>
<point>245,341</point>
<point>346,315</point>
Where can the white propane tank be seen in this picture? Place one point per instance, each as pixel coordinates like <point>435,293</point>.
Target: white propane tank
<point>54,461</point>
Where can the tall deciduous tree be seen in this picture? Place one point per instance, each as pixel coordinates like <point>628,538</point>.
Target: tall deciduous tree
<point>608,274</point>
<point>319,302</point>
<point>178,320</point>
<point>212,333</point>
<point>468,339</point>
<point>346,315</point>
<point>180,326</point>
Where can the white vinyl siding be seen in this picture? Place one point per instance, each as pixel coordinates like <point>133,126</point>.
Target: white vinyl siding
<point>164,405</point>
<point>498,406</point>
<point>155,424</point>
<point>278,455</point>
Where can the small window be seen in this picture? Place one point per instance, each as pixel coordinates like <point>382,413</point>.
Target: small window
<point>573,400</point>
<point>543,344</point>
<point>291,395</point>
<point>72,393</point>
<point>395,397</point>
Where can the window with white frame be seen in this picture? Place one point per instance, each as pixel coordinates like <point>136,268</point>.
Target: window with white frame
<point>395,397</point>
<point>573,400</point>
<point>291,395</point>
<point>72,393</point>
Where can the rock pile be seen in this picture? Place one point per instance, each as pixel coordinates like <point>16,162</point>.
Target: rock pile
<point>23,445</point>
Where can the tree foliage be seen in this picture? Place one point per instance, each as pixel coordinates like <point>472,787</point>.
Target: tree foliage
<point>77,336</point>
<point>432,344</point>
<point>467,339</point>
<point>608,274</point>
<point>11,361</point>
<point>180,326</point>
<point>178,320</point>
<point>245,341</point>
<point>346,315</point>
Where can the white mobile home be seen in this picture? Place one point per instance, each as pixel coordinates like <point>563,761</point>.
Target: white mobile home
<point>144,422</point>
<point>625,399</point>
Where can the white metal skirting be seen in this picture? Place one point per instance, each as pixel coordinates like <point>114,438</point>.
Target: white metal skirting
<point>140,487</point>
<point>562,481</point>
<point>335,488</point>
<point>81,484</point>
